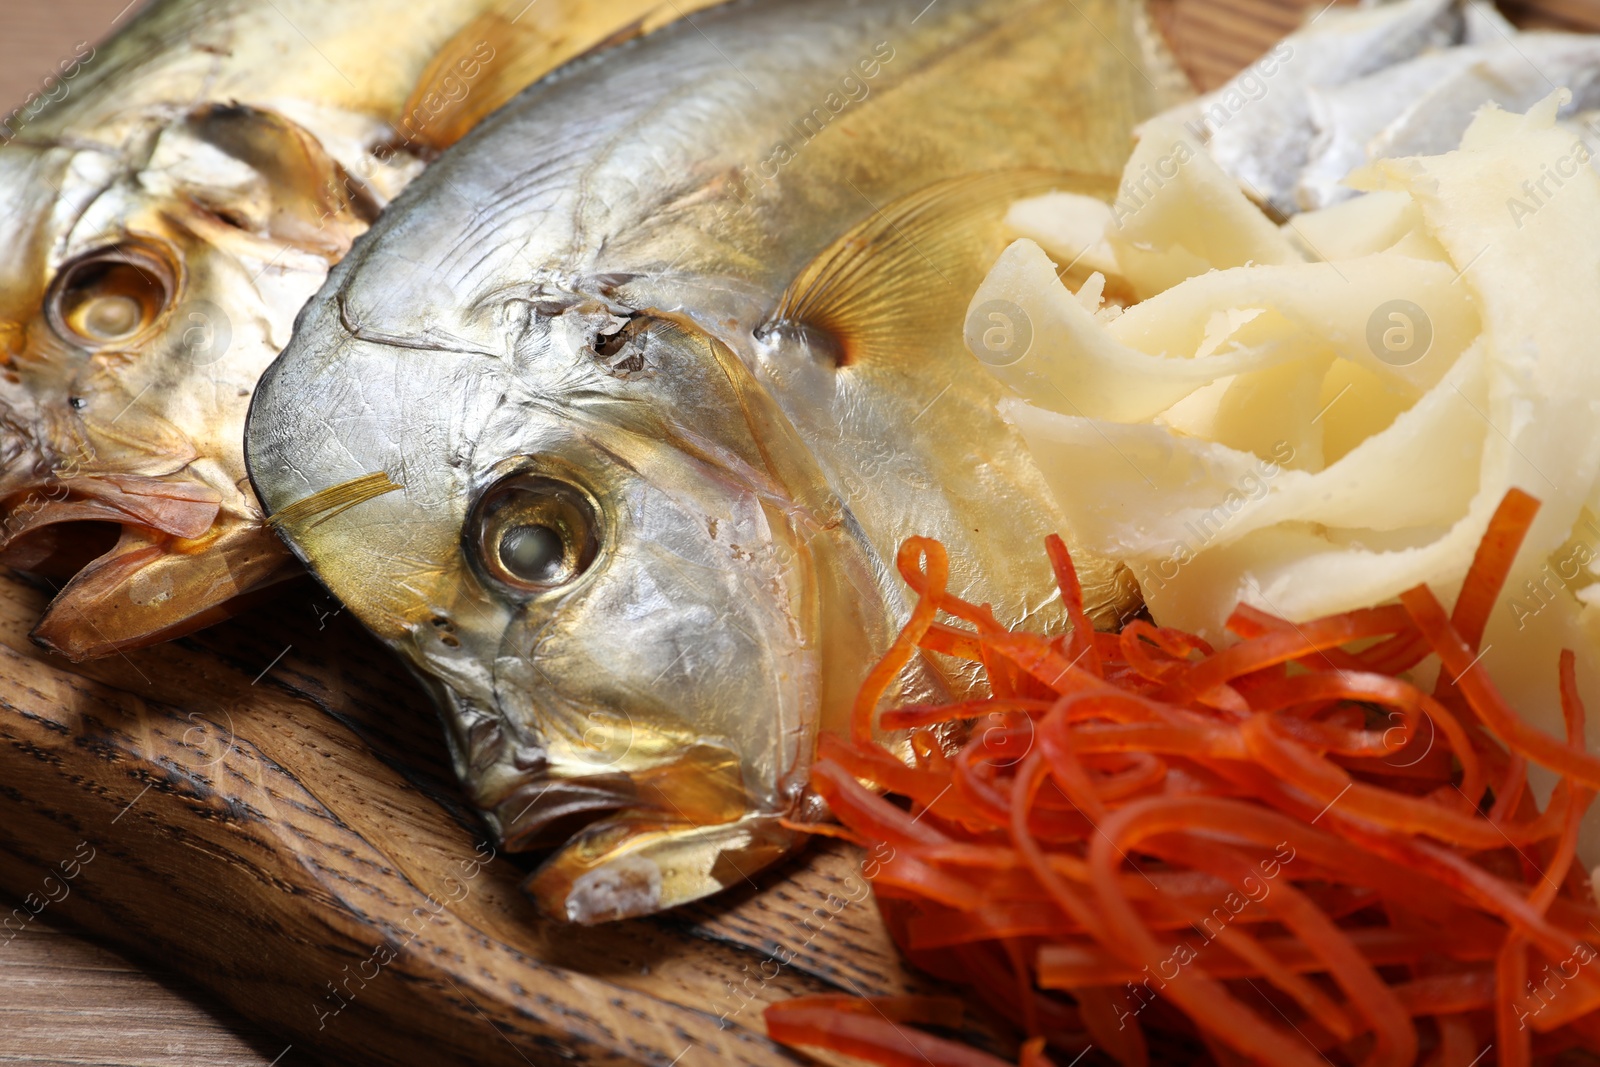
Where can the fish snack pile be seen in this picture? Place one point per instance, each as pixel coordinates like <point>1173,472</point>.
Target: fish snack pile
<point>1284,847</point>
<point>1318,417</point>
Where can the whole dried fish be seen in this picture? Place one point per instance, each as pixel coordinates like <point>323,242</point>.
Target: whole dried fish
<point>613,425</point>
<point>167,216</point>
<point>1423,108</point>
<point>1260,126</point>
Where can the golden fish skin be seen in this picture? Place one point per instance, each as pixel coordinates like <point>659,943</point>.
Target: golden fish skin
<point>165,222</point>
<point>666,360</point>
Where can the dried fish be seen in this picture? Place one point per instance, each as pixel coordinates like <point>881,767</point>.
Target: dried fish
<point>168,214</point>
<point>667,360</point>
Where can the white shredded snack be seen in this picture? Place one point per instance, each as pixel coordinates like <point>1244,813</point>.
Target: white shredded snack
<point>1319,418</point>
<point>1069,226</point>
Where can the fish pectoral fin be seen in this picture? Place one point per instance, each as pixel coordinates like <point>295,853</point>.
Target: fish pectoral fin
<point>637,863</point>
<point>905,274</point>
<point>509,47</point>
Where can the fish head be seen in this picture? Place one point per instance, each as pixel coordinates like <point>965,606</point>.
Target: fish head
<point>153,271</point>
<point>28,179</point>
<point>604,557</point>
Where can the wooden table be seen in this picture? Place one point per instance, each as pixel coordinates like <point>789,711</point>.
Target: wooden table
<point>67,1000</point>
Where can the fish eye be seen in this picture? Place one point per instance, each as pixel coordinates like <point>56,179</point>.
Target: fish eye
<point>535,554</point>
<point>110,296</point>
<point>535,533</point>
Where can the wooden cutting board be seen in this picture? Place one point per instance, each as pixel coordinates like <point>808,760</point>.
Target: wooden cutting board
<point>264,810</point>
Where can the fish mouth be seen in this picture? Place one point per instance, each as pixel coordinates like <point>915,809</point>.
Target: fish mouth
<point>545,812</point>
<point>622,845</point>
<point>179,562</point>
<point>537,801</point>
<point>530,803</point>
<point>178,508</point>
<point>702,785</point>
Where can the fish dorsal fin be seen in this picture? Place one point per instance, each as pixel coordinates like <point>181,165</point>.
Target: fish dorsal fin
<point>316,509</point>
<point>907,272</point>
<point>510,46</point>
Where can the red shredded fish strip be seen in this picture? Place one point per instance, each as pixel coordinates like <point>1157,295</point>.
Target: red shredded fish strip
<point>1280,852</point>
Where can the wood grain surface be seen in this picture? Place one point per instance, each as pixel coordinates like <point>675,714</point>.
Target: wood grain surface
<point>262,809</point>
<point>66,1001</point>
<point>260,817</point>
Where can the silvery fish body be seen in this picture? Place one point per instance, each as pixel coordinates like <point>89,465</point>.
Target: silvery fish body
<point>173,197</point>
<point>1384,81</point>
<point>1260,126</point>
<point>1423,107</point>
<point>666,361</point>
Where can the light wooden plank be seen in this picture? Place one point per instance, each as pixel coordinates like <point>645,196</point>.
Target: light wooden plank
<point>66,1001</point>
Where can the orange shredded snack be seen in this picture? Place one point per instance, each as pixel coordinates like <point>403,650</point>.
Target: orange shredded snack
<point>1282,852</point>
